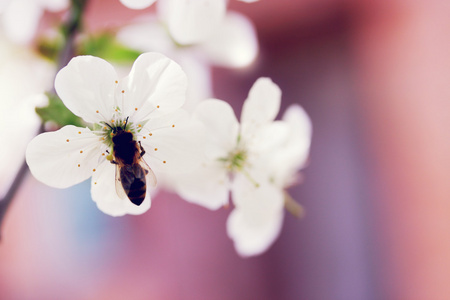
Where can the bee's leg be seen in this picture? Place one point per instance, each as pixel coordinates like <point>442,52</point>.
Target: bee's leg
<point>142,149</point>
<point>110,158</point>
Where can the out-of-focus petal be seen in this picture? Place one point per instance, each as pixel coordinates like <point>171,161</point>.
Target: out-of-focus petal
<point>256,221</point>
<point>4,4</point>
<point>267,138</point>
<point>300,137</point>
<point>253,237</point>
<point>53,5</point>
<point>156,85</point>
<point>23,79</point>
<point>207,186</point>
<point>65,157</point>
<point>199,79</point>
<point>293,155</point>
<point>234,43</point>
<point>263,102</point>
<point>103,192</point>
<point>261,106</point>
<point>20,20</point>
<point>221,127</point>
<point>173,143</point>
<point>137,4</point>
<point>147,35</point>
<point>87,87</point>
<point>190,22</point>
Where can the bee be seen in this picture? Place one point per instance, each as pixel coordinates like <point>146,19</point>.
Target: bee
<point>132,172</point>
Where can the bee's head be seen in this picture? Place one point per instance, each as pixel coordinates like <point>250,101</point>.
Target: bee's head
<point>122,136</point>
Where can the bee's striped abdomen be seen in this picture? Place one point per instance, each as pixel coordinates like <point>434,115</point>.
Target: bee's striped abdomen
<point>133,182</point>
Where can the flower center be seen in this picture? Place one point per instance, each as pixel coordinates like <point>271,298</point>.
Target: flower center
<point>236,160</point>
<point>108,130</point>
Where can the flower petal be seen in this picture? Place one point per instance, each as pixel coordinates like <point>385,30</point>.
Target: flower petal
<point>87,87</point>
<point>103,192</point>
<point>256,221</point>
<point>20,20</point>
<point>234,43</point>
<point>208,185</point>
<point>199,79</point>
<point>267,139</point>
<point>260,108</point>
<point>221,125</point>
<point>156,85</point>
<point>292,156</point>
<point>262,104</point>
<point>173,143</point>
<point>301,132</point>
<point>253,237</point>
<point>55,5</point>
<point>146,35</point>
<point>137,4</point>
<point>190,22</point>
<point>65,157</point>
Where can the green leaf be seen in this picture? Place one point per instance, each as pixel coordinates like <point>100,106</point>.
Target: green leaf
<point>106,47</point>
<point>58,113</point>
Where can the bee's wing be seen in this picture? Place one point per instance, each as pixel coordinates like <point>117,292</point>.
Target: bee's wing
<point>119,187</point>
<point>149,175</point>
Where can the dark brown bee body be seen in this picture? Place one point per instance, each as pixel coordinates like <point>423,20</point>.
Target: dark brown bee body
<point>127,155</point>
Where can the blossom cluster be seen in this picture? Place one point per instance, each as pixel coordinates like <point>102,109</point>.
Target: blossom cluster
<point>159,127</point>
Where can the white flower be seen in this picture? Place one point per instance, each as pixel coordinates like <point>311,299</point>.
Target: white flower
<point>20,18</point>
<point>24,77</point>
<point>241,158</point>
<point>147,102</point>
<point>233,43</point>
<point>188,22</point>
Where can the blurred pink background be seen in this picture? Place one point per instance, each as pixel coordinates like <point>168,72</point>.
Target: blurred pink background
<point>375,78</point>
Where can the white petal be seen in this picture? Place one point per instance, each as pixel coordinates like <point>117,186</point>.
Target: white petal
<point>65,157</point>
<point>292,156</point>
<point>249,196</point>
<point>87,87</point>
<point>23,79</point>
<point>207,186</point>
<point>147,35</point>
<point>4,4</point>
<point>55,5</point>
<point>300,138</point>
<point>104,194</point>
<point>156,85</point>
<point>20,20</point>
<point>199,79</point>
<point>137,4</point>
<point>221,127</point>
<point>256,221</point>
<point>262,104</point>
<point>173,143</point>
<point>234,43</point>
<point>268,138</point>
<point>253,238</point>
<point>190,22</point>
